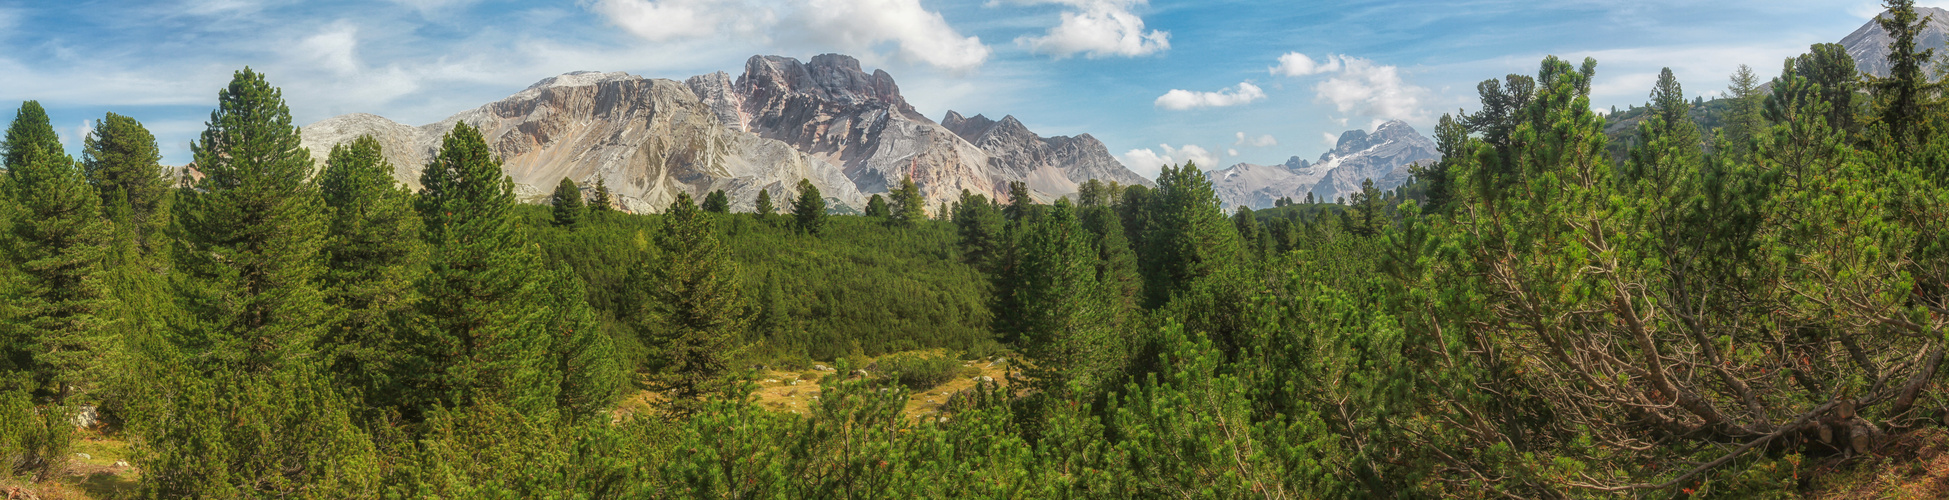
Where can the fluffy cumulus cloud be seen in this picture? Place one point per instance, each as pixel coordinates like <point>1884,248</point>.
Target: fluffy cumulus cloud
<point>1150,160</point>
<point>1262,141</point>
<point>1097,28</point>
<point>1180,100</point>
<point>1297,64</point>
<point>853,25</point>
<point>664,20</point>
<point>923,35</point>
<point>1358,86</point>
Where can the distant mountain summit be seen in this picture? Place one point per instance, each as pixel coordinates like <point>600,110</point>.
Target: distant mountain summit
<point>1869,44</point>
<point>1383,155</point>
<point>850,132</point>
<point>648,140</point>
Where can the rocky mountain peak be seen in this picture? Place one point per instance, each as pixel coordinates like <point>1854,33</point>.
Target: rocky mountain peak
<point>1869,44</point>
<point>829,77</point>
<point>1295,163</point>
<point>968,128</point>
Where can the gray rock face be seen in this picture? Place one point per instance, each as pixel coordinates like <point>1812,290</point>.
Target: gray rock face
<point>850,132</point>
<point>833,110</point>
<point>406,147</point>
<point>1383,156</point>
<point>1054,165</point>
<point>1869,44</point>
<point>647,139</point>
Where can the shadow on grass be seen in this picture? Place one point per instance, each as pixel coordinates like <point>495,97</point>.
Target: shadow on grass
<point>107,485</point>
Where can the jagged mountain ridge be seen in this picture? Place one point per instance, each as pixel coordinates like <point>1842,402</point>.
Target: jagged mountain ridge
<point>850,132</point>
<point>830,108</point>
<point>1869,44</point>
<point>1015,151</point>
<point>648,140</point>
<point>1383,155</point>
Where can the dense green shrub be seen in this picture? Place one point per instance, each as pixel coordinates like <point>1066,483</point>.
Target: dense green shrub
<point>919,372</point>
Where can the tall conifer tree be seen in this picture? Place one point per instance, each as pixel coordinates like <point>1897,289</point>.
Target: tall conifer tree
<point>809,210</point>
<point>246,411</point>
<point>375,257</point>
<point>567,203</point>
<point>486,343</point>
<point>908,208</point>
<point>604,201</point>
<point>694,308</point>
<point>252,228</point>
<point>717,202</point>
<point>123,163</point>
<point>764,207</point>
<point>58,240</point>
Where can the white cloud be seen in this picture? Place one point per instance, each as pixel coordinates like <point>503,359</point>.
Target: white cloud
<point>1231,152</point>
<point>1332,141</point>
<point>1257,142</point>
<point>923,35</point>
<point>1149,160</point>
<point>1097,28</point>
<point>1297,64</point>
<point>858,26</point>
<point>1367,89</point>
<point>1358,86</point>
<point>1180,100</point>
<point>335,49</point>
<point>664,20</point>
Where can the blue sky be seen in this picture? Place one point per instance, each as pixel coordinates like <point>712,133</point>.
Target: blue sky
<point>1217,81</point>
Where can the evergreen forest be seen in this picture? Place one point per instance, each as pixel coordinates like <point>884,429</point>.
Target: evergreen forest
<point>1748,305</point>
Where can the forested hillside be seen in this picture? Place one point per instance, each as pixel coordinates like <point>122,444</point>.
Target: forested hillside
<point>1753,310</point>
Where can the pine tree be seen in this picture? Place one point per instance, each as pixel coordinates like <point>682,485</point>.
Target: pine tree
<point>1371,217</point>
<point>1116,263</point>
<point>773,322</point>
<point>58,241</point>
<point>604,202</point>
<point>1065,318</point>
<point>374,256</point>
<point>764,207</point>
<point>252,229</point>
<point>245,410</point>
<point>1829,66</point>
<point>590,377</point>
<point>486,341</point>
<point>1189,239</point>
<point>717,202</point>
<point>1745,118</point>
<point>1021,206</point>
<point>1902,97</point>
<point>908,208</point>
<point>877,207</point>
<point>568,206</point>
<point>694,308</point>
<point>979,226</point>
<point>123,163</point>
<point>809,210</point>
<point>1246,224</point>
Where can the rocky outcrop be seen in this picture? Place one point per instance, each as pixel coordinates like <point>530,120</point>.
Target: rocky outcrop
<point>1057,165</point>
<point>1383,155</point>
<point>647,139</point>
<point>406,147</point>
<point>832,109</point>
<point>1869,44</point>
<point>848,131</point>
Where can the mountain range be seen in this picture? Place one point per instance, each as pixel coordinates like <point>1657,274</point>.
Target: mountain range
<point>849,132</point>
<point>1869,44</point>
<point>1383,155</point>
